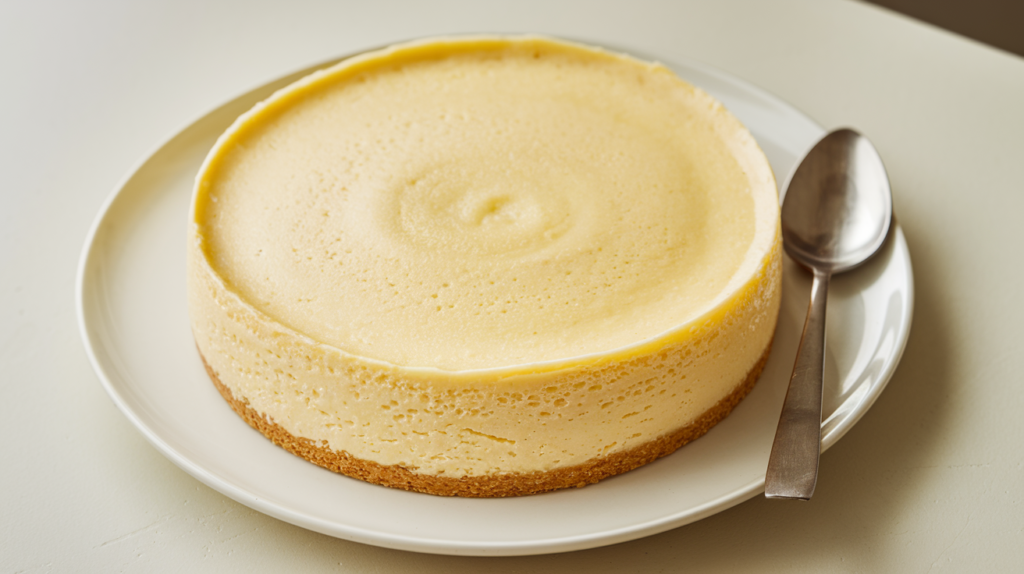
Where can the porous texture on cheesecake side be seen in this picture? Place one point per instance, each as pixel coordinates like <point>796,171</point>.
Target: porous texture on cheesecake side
<point>498,484</point>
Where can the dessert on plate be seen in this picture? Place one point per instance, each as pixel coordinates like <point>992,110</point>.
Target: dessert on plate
<point>485,266</point>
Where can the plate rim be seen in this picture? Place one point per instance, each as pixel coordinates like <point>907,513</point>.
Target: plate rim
<point>427,544</point>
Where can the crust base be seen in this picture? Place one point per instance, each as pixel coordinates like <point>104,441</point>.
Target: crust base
<point>496,485</point>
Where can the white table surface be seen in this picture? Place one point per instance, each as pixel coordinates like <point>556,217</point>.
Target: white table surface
<point>931,479</point>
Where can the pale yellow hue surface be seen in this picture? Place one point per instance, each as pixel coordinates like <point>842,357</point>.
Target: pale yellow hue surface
<point>487,255</point>
<point>519,204</point>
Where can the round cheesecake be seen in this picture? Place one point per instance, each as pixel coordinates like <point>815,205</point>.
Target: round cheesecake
<point>485,266</point>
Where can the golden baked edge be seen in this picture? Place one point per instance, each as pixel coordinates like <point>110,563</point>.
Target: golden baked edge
<point>493,485</point>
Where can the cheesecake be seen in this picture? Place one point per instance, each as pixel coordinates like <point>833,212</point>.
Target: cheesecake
<point>484,266</point>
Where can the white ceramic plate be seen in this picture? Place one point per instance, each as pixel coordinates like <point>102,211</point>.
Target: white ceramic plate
<point>133,318</point>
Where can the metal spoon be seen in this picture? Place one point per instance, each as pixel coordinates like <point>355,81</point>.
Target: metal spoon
<point>836,214</point>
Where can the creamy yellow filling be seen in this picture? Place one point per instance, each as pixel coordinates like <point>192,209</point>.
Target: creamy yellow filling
<point>484,255</point>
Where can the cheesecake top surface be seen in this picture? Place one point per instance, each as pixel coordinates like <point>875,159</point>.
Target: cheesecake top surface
<point>485,202</point>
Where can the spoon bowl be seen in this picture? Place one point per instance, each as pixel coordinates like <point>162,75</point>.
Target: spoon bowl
<point>836,214</point>
<point>838,204</point>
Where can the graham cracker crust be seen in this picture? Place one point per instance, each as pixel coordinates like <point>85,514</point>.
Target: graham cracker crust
<point>497,485</point>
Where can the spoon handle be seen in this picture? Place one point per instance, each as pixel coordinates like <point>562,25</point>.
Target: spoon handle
<point>793,464</point>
